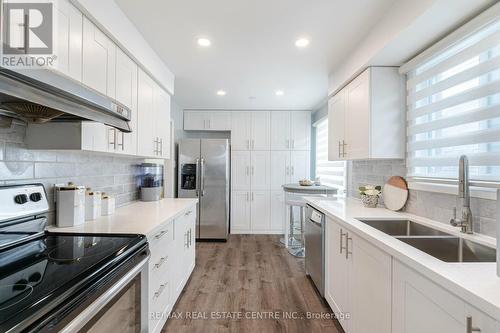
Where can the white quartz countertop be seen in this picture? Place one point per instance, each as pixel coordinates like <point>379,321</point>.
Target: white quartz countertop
<point>476,283</point>
<point>135,218</point>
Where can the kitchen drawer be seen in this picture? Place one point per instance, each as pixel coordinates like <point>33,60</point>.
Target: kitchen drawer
<point>159,299</point>
<point>161,263</point>
<point>161,237</point>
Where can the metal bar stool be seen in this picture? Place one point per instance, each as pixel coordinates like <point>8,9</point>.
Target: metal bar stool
<point>296,242</point>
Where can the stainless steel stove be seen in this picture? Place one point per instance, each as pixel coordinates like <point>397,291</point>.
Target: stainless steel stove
<point>65,282</point>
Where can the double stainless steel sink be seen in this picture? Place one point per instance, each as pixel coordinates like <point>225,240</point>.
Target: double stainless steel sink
<point>439,244</point>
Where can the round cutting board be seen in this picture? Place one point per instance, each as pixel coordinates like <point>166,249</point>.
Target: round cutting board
<point>395,193</point>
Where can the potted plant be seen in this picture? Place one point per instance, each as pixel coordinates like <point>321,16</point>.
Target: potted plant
<point>369,195</point>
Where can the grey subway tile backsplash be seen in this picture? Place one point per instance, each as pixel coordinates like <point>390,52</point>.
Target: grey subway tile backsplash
<point>435,206</point>
<point>115,175</point>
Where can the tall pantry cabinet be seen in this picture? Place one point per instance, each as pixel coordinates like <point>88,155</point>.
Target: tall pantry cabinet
<point>268,149</point>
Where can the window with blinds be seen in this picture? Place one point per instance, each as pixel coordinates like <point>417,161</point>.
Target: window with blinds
<point>330,173</point>
<point>453,100</point>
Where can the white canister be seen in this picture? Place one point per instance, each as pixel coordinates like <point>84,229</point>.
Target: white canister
<point>92,205</point>
<point>107,205</point>
<point>70,205</point>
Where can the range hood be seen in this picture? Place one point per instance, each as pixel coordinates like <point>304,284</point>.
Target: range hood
<point>45,96</point>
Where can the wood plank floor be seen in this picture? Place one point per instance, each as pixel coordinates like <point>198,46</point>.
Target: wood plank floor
<point>247,275</point>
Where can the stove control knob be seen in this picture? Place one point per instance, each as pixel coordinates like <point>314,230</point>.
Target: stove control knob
<point>37,196</point>
<point>21,199</point>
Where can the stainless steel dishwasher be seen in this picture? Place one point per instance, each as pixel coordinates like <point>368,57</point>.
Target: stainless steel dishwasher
<point>315,247</point>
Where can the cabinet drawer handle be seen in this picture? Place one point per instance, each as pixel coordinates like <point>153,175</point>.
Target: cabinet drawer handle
<point>161,234</point>
<point>188,213</point>
<point>288,143</point>
<point>343,148</point>
<point>340,145</point>
<point>160,290</point>
<point>469,327</point>
<point>161,261</point>
<point>248,144</point>
<point>293,144</point>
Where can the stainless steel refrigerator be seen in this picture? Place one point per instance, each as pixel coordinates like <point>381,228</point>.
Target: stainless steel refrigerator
<point>203,173</point>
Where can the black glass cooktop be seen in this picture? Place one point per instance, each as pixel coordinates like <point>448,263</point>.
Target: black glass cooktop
<point>42,271</point>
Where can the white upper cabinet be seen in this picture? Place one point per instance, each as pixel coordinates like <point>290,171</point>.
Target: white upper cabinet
<point>241,130</point>
<point>336,126</point>
<point>367,117</point>
<point>146,129</point>
<point>162,122</point>
<point>300,130</point>
<point>207,120</point>
<point>291,130</point>
<point>219,121</point>
<point>98,62</point>
<point>280,130</point>
<point>126,80</point>
<point>250,130</point>
<point>195,120</point>
<point>153,118</point>
<point>261,130</point>
<point>357,119</point>
<point>68,41</point>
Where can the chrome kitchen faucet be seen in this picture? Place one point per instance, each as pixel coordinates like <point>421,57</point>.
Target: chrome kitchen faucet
<point>465,222</point>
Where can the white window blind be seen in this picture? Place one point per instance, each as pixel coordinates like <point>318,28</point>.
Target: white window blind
<point>330,173</point>
<point>453,101</point>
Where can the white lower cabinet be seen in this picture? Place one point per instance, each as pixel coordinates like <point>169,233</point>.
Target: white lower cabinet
<point>278,213</point>
<point>260,212</point>
<point>372,292</point>
<point>336,270</point>
<point>240,211</point>
<point>419,305</point>
<point>358,284</point>
<point>172,247</point>
<point>250,212</point>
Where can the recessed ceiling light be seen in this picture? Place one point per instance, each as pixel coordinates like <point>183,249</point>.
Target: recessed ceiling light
<point>302,42</point>
<point>204,42</point>
<point>221,93</point>
<point>279,92</point>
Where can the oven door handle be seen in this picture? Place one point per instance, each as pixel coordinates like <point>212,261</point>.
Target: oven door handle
<point>93,309</point>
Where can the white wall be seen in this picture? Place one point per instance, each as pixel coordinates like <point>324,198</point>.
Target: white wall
<point>408,28</point>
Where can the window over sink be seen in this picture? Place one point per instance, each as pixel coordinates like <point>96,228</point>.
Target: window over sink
<point>453,103</point>
<point>330,173</point>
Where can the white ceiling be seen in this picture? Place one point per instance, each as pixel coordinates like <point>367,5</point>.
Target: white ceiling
<point>253,52</point>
